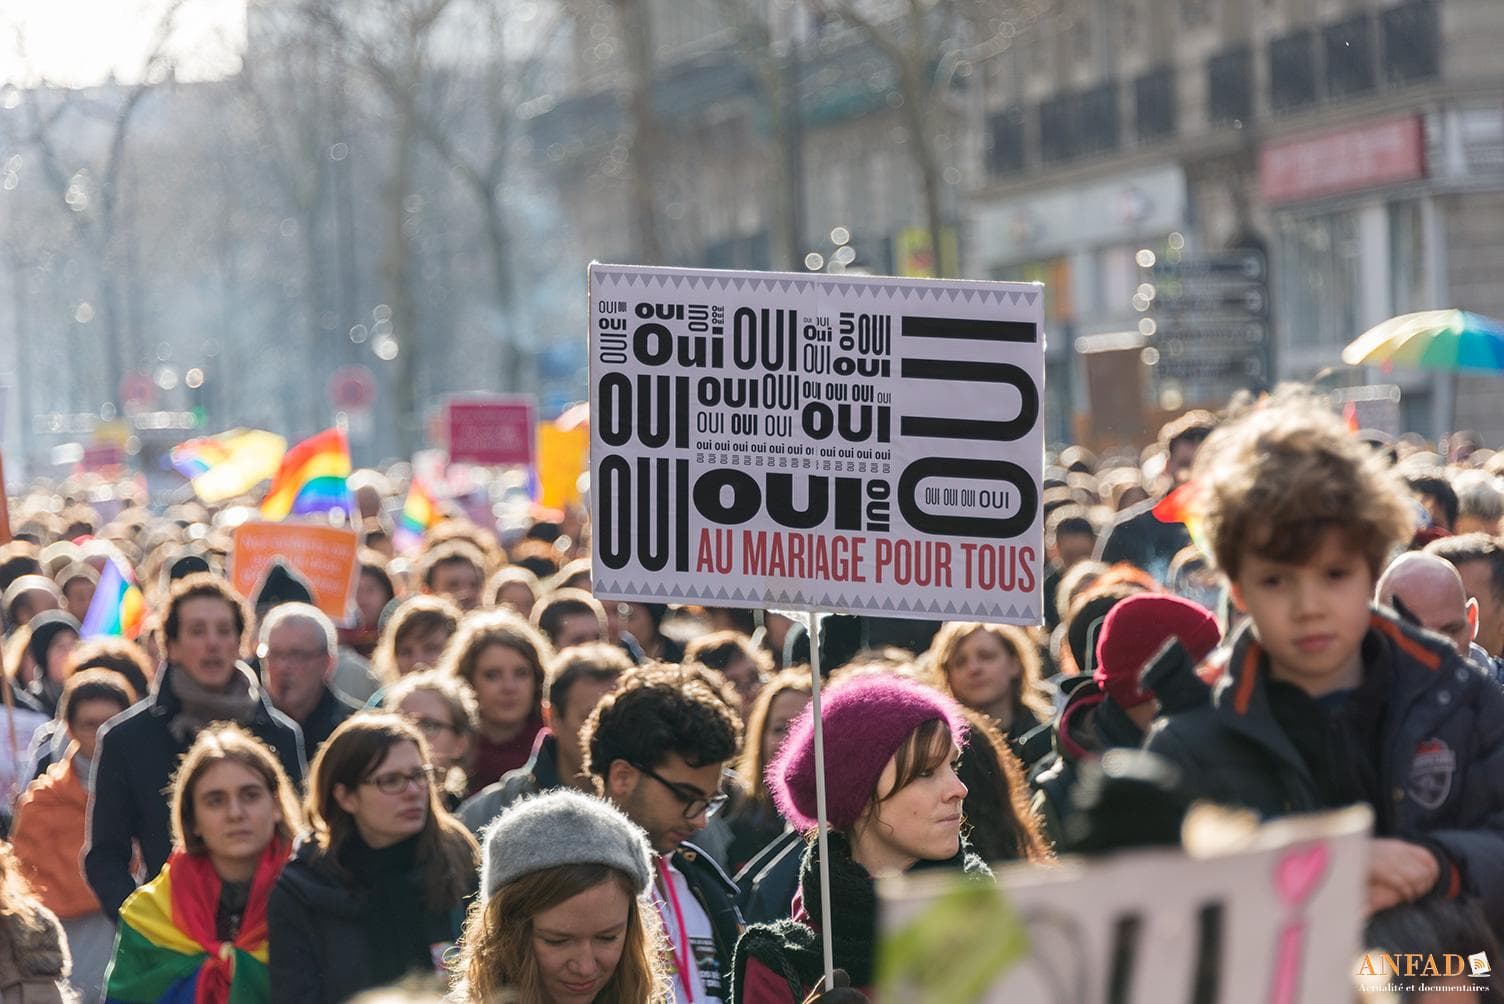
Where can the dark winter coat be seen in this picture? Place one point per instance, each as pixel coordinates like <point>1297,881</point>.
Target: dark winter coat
<point>716,893</point>
<point>1436,767</point>
<point>133,769</point>
<point>332,709</point>
<point>1090,724</point>
<point>1140,538</point>
<point>321,950</point>
<point>539,774</point>
<point>788,953</point>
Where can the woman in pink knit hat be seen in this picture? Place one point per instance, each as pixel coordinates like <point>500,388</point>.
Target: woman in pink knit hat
<point>893,803</point>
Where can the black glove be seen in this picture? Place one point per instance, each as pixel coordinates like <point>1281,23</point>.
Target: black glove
<point>841,993</point>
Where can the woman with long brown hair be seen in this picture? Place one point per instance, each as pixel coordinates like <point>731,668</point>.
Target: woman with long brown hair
<point>893,804</point>
<point>501,658</point>
<point>752,816</point>
<point>562,919</point>
<point>994,669</point>
<point>375,890</point>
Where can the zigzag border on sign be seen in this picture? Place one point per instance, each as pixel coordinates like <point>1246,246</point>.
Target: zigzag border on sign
<point>855,287</point>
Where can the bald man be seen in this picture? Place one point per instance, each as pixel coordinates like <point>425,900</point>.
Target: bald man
<point>1427,591</point>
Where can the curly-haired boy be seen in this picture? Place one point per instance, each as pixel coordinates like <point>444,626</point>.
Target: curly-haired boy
<point>1327,700</point>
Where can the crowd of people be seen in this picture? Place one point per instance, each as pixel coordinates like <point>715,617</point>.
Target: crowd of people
<point>491,785</point>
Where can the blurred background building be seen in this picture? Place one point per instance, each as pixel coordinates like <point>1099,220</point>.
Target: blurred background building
<point>404,195</point>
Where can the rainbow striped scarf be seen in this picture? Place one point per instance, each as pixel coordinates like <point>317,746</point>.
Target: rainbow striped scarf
<point>166,951</point>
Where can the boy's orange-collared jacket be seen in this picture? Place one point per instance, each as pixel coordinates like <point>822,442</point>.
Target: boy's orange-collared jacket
<point>1435,770</point>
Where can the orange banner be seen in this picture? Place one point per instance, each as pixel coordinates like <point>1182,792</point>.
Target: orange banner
<point>324,555</point>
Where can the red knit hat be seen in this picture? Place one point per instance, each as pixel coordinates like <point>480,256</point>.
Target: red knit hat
<point>1135,629</point>
<point>866,720</point>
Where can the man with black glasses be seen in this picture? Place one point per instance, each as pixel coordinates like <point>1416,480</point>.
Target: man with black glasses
<point>657,748</point>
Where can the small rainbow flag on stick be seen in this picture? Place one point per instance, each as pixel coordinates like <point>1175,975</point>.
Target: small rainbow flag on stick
<point>118,608</point>
<point>311,478</point>
<point>419,512</point>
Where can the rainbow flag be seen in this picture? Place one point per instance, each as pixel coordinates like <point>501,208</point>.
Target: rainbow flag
<point>165,947</point>
<point>229,464</point>
<point>118,607</point>
<point>419,512</point>
<point>311,478</point>
<point>1178,507</point>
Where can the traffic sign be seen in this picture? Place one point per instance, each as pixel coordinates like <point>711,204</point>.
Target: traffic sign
<point>352,388</point>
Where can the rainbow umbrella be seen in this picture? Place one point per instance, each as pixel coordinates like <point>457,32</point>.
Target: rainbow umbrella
<point>1448,340</point>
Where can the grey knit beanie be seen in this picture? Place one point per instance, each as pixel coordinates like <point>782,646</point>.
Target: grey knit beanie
<point>563,827</point>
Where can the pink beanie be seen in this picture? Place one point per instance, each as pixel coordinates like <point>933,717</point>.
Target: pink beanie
<point>1134,630</point>
<point>866,720</point>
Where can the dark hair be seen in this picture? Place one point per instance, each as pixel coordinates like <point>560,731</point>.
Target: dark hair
<point>658,711</point>
<point>537,557</point>
<point>549,614</point>
<point>509,575</point>
<point>18,558</point>
<point>446,851</point>
<point>484,629</point>
<point>1432,481</point>
<point>202,585</point>
<point>1193,427</point>
<point>415,616</point>
<point>597,662</point>
<point>719,648</point>
<point>1276,481</point>
<point>375,566</point>
<point>1469,547</point>
<point>117,655</point>
<point>924,750</point>
<point>455,551</point>
<point>221,742</point>
<point>1070,519</point>
<point>1001,826</point>
<point>93,685</point>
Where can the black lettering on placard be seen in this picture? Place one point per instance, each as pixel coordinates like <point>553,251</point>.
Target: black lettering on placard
<point>1206,987</point>
<point>848,503</point>
<point>1125,944</point>
<point>769,337</point>
<point>956,428</point>
<point>746,497</point>
<point>615,511</point>
<point>974,330</point>
<point>976,470</point>
<point>662,410</point>
<point>652,344</point>
<point>781,502</point>
<point>653,548</point>
<point>618,500</point>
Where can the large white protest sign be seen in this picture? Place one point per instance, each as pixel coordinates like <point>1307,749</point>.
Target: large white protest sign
<point>848,443</point>
<point>1276,922</point>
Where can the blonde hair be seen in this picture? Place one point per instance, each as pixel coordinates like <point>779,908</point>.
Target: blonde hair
<point>497,961</point>
<point>1026,689</point>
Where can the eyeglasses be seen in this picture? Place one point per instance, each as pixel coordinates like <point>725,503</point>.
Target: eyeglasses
<point>395,782</point>
<point>694,802</point>
<point>302,655</point>
<point>432,728</point>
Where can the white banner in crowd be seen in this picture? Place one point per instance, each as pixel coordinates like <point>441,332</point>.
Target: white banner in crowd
<point>843,443</point>
<point>1277,922</point>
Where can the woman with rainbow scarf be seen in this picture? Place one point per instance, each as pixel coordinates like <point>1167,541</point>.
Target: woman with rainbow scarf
<point>197,933</point>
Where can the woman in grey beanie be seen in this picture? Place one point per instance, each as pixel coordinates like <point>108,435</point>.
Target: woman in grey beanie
<point>560,919</point>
